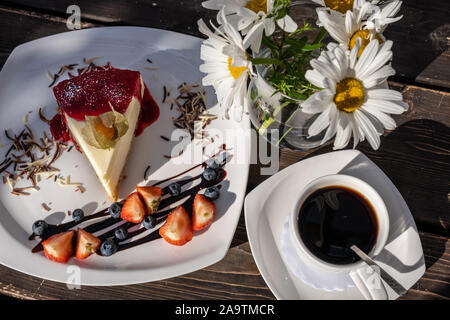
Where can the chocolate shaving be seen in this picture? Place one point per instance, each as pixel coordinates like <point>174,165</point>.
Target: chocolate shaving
<point>9,137</point>
<point>30,132</point>
<point>6,166</point>
<point>30,159</point>
<point>43,119</point>
<point>192,107</point>
<point>19,192</point>
<point>146,171</point>
<point>55,78</point>
<point>4,161</point>
<point>165,94</point>
<point>9,150</point>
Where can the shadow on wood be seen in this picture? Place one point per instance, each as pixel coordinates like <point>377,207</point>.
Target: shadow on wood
<point>416,158</point>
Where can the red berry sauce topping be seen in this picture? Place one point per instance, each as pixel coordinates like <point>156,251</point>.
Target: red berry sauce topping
<point>93,93</point>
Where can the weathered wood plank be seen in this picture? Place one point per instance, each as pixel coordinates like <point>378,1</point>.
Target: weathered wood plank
<point>32,26</point>
<point>435,282</point>
<point>438,72</point>
<point>420,37</point>
<point>180,16</point>
<point>235,277</point>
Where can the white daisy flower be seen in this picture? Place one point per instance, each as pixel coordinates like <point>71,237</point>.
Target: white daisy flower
<point>347,28</point>
<point>253,18</point>
<point>226,66</point>
<point>365,21</point>
<point>354,100</point>
<point>342,6</point>
<point>384,16</point>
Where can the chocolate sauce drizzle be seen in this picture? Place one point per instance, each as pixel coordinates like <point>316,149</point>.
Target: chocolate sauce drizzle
<point>187,196</point>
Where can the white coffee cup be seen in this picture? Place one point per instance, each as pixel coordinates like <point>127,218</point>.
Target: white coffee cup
<point>359,271</point>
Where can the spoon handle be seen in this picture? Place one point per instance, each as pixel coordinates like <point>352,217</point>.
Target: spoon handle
<point>394,284</point>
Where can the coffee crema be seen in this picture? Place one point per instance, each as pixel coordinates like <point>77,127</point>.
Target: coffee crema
<point>332,219</point>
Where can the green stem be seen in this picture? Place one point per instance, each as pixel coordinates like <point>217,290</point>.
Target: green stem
<point>320,35</point>
<point>269,121</point>
<point>284,135</point>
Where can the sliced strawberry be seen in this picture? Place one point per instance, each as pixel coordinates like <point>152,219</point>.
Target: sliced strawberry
<point>59,247</point>
<point>151,196</point>
<point>133,209</point>
<point>203,211</point>
<point>87,244</point>
<point>177,229</point>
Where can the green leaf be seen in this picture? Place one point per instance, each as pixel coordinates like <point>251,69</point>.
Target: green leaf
<point>268,43</point>
<point>296,45</point>
<point>312,47</point>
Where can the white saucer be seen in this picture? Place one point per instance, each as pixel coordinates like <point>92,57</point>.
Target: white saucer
<point>266,212</point>
<point>311,276</point>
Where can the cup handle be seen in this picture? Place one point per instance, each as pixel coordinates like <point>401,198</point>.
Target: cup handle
<point>369,283</point>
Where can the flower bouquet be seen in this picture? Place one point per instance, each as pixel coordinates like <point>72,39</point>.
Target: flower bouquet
<point>299,91</point>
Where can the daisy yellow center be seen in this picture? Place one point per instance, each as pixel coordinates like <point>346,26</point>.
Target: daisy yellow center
<point>257,5</point>
<point>365,39</point>
<point>339,5</point>
<point>235,71</point>
<point>349,95</point>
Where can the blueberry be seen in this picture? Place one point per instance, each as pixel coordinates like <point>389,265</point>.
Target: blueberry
<point>149,222</point>
<point>39,227</point>
<point>212,163</point>
<point>209,174</point>
<point>108,248</point>
<point>115,209</point>
<point>174,189</point>
<point>212,193</point>
<point>220,173</point>
<point>121,233</point>
<point>78,215</point>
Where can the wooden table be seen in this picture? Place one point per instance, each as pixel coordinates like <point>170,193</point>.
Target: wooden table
<point>416,156</point>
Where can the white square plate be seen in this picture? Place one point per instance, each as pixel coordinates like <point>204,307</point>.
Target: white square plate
<point>267,207</point>
<point>24,88</point>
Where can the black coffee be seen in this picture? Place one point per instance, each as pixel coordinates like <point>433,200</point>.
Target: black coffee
<point>334,218</point>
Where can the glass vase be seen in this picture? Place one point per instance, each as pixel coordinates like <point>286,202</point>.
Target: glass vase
<point>279,118</point>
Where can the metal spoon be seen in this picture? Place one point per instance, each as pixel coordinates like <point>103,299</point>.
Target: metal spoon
<point>394,284</point>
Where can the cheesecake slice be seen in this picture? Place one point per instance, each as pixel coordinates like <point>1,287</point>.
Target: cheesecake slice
<point>102,110</point>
